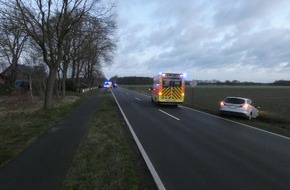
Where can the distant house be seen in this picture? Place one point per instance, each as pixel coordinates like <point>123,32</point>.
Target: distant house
<point>24,74</point>
<point>2,80</point>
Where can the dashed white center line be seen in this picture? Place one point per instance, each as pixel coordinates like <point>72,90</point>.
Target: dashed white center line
<point>169,114</point>
<point>137,98</point>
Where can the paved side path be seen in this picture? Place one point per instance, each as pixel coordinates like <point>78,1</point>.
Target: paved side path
<point>45,163</point>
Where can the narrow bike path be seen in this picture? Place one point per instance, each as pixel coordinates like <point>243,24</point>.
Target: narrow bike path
<point>44,164</point>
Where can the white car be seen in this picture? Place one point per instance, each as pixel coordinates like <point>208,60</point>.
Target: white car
<point>239,106</point>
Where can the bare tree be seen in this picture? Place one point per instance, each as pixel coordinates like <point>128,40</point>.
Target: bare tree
<point>94,42</point>
<point>12,41</point>
<point>52,25</point>
<point>48,23</point>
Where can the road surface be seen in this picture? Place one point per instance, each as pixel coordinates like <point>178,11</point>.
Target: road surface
<point>193,150</point>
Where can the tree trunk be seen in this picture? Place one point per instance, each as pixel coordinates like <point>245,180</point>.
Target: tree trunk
<point>41,86</point>
<point>48,102</point>
<point>63,84</point>
<point>30,87</point>
<point>13,74</point>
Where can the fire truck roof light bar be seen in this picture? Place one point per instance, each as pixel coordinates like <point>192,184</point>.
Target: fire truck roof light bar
<point>172,74</point>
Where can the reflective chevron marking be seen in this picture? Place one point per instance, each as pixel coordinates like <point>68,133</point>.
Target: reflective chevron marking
<point>172,93</point>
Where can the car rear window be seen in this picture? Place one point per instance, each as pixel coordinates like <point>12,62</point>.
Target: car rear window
<point>234,101</point>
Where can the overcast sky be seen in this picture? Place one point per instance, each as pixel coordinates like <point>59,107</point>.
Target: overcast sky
<point>245,40</point>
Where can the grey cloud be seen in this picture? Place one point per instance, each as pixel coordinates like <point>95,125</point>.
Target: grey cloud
<point>264,48</point>
<point>243,14</point>
<point>134,38</point>
<point>206,36</point>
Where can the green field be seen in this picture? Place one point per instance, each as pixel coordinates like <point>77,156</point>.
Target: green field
<point>273,100</point>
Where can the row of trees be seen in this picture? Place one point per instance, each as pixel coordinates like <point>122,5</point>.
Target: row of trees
<point>237,83</point>
<point>134,80</point>
<point>281,83</point>
<point>71,38</point>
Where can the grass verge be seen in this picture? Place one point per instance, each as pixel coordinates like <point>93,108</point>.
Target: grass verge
<point>105,158</point>
<point>19,127</point>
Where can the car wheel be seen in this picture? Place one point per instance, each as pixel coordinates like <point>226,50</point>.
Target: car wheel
<point>250,116</point>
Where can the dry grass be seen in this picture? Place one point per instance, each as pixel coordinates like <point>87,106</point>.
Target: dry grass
<point>23,120</point>
<point>27,104</point>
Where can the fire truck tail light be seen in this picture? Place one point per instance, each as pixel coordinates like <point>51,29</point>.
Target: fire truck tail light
<point>160,93</point>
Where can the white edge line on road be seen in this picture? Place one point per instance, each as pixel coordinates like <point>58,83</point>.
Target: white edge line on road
<point>169,114</point>
<point>144,154</point>
<point>269,132</point>
<point>137,98</point>
<point>262,130</point>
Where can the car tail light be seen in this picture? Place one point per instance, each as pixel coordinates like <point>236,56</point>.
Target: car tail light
<point>244,106</point>
<point>223,104</point>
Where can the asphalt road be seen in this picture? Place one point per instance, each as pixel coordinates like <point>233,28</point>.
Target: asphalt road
<point>194,150</point>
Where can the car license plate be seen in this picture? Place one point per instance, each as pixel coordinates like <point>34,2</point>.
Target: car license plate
<point>233,107</point>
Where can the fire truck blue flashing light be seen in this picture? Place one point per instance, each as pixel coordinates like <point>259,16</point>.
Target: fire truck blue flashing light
<point>184,75</point>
